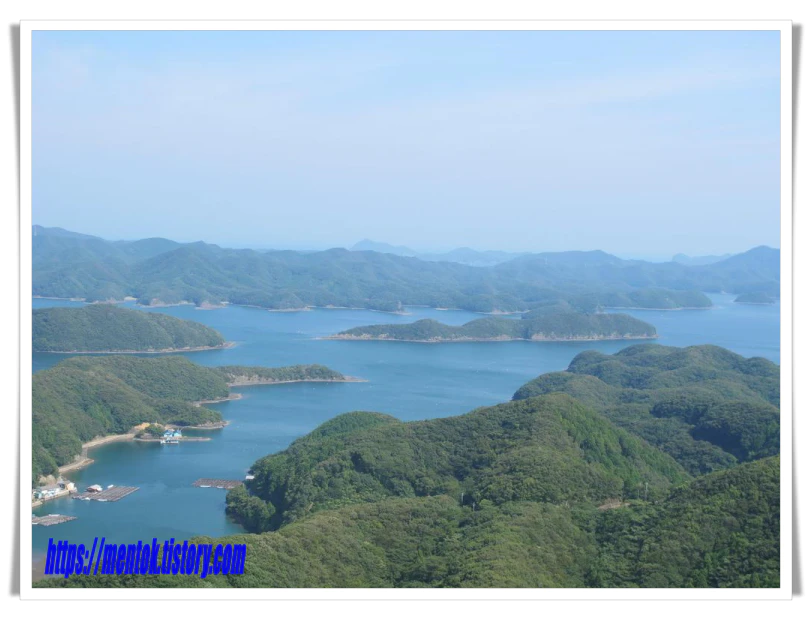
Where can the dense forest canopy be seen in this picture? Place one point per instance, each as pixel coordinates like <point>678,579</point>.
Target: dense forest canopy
<point>261,374</point>
<point>160,270</point>
<point>705,406</point>
<point>548,490</point>
<point>86,397</point>
<point>720,530</point>
<point>539,326</point>
<point>108,328</point>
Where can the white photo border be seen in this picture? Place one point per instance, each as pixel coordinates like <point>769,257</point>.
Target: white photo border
<point>28,592</point>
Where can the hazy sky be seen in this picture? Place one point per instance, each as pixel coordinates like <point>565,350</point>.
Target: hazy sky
<point>637,143</point>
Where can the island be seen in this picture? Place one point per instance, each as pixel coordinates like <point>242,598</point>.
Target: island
<point>756,298</point>
<point>559,326</point>
<point>106,328</point>
<point>83,402</point>
<point>260,375</point>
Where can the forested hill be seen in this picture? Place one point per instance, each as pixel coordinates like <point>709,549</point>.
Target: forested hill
<point>160,270</point>
<point>108,328</point>
<point>544,491</point>
<point>87,397</point>
<point>705,406</point>
<point>549,449</point>
<point>561,326</point>
<point>720,530</point>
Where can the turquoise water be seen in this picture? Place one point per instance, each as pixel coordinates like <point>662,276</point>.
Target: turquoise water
<point>411,381</point>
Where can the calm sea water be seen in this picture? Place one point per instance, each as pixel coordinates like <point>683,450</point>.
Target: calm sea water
<point>411,381</point>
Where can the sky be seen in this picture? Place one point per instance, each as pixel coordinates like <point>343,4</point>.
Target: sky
<point>638,143</point>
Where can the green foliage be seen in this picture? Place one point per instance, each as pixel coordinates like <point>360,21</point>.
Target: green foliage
<point>261,374</point>
<point>655,298</point>
<point>721,530</point>
<point>86,397</point>
<point>83,398</point>
<point>549,449</point>
<point>154,270</point>
<point>108,328</point>
<point>705,406</point>
<point>539,325</point>
<point>153,430</point>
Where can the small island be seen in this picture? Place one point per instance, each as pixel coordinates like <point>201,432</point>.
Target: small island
<point>260,375</point>
<point>561,326</point>
<point>759,299</point>
<point>105,328</point>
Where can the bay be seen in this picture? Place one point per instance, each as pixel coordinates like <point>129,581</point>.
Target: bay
<point>411,381</point>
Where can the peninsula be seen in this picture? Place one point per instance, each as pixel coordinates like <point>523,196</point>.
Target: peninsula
<point>86,401</point>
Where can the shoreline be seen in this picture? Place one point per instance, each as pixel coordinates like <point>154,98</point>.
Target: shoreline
<point>225,304</point>
<point>271,382</point>
<point>449,340</point>
<point>199,403</point>
<point>227,345</point>
<point>213,426</point>
<point>664,309</point>
<point>158,439</point>
<point>84,460</point>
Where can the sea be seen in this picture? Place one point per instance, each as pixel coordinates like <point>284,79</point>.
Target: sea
<point>411,381</point>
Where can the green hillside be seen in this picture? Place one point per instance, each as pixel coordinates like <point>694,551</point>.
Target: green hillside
<point>108,328</point>
<point>705,406</point>
<point>550,449</point>
<point>720,530</point>
<point>159,270</point>
<point>537,326</point>
<point>654,298</point>
<point>86,397</point>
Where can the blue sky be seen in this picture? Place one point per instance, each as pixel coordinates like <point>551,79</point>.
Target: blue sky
<point>637,143</point>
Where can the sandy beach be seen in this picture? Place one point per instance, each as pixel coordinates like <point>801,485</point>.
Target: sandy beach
<point>84,460</point>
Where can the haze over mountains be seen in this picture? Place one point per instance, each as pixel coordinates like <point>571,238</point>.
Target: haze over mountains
<point>466,256</point>
<point>158,270</point>
<point>700,260</point>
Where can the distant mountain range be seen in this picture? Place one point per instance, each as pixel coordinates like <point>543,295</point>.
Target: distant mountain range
<point>684,259</point>
<point>465,256</point>
<point>489,258</point>
<point>156,270</point>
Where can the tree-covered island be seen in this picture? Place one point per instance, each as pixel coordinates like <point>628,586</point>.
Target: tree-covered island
<point>106,328</point>
<point>558,326</point>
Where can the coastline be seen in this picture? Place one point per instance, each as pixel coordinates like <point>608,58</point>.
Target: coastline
<point>198,403</point>
<point>272,382</point>
<point>448,340</point>
<point>158,439</point>
<point>711,307</point>
<point>84,460</point>
<point>226,345</point>
<point>225,304</point>
<point>212,426</point>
